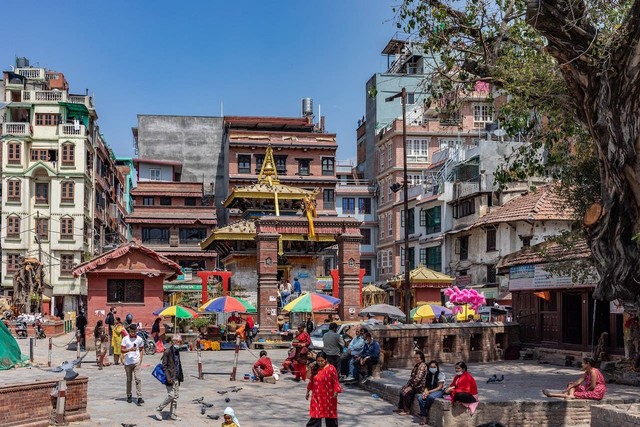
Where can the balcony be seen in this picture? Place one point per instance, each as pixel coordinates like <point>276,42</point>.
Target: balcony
<point>32,73</point>
<point>16,129</point>
<point>72,130</point>
<point>85,100</point>
<point>44,96</point>
<point>463,189</point>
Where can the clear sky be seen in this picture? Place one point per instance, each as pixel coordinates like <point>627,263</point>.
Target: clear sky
<point>186,57</point>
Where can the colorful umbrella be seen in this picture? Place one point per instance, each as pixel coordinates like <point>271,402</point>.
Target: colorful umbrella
<point>465,312</point>
<point>227,305</point>
<point>429,311</point>
<point>311,302</point>
<point>177,311</point>
<point>383,310</point>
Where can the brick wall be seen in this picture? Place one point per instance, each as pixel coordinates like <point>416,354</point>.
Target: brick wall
<point>615,415</point>
<point>31,404</point>
<point>447,343</point>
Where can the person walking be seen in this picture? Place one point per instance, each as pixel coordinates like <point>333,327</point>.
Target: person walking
<point>110,320</point>
<point>132,347</point>
<point>81,325</point>
<point>98,335</point>
<point>301,344</point>
<point>172,367</point>
<point>116,340</point>
<point>333,343</point>
<point>323,388</point>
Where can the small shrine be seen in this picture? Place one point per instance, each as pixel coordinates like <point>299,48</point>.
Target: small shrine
<point>276,235</point>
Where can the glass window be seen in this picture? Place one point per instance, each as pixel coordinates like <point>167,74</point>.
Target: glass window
<point>125,291</point>
<point>244,163</point>
<point>366,265</point>
<point>463,248</point>
<point>389,153</point>
<point>430,219</point>
<point>147,201</point>
<point>364,205</point>
<point>482,113</point>
<point>47,119</point>
<point>491,274</point>
<point>13,262</point>
<point>328,164</point>
<point>42,155</point>
<point>155,174</point>
<point>42,193</point>
<point>66,264</point>
<point>67,192</point>
<point>281,164</point>
<point>381,226</point>
<point>192,235</point>
<point>189,201</point>
<point>66,229</point>
<point>259,161</point>
<point>389,224</point>
<point>431,258</point>
<point>13,226</point>
<point>366,236</point>
<point>68,154</point>
<point>155,235</point>
<point>42,228</point>
<point>328,199</point>
<point>165,201</point>
<point>348,205</point>
<point>412,221</point>
<point>13,193</point>
<point>491,239</point>
<point>14,157</point>
<point>304,167</point>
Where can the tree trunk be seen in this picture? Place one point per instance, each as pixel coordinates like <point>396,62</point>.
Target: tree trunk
<point>606,94</point>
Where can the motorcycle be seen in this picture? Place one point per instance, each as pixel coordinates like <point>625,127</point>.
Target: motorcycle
<point>149,344</point>
<point>21,329</point>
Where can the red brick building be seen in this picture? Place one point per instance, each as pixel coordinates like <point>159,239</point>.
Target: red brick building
<point>130,278</point>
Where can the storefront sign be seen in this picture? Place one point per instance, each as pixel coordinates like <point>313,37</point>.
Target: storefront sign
<point>181,287</point>
<point>534,277</point>
<point>303,275</point>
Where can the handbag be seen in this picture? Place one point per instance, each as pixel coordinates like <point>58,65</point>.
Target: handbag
<point>158,373</point>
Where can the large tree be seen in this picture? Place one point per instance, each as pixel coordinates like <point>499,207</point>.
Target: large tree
<point>570,70</point>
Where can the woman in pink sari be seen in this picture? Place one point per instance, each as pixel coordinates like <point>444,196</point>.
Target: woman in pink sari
<point>590,386</point>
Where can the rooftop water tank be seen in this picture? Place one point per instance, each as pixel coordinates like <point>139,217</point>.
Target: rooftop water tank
<point>307,107</point>
<point>22,62</point>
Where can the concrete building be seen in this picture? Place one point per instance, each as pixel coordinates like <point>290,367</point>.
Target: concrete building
<point>194,142</point>
<point>124,165</point>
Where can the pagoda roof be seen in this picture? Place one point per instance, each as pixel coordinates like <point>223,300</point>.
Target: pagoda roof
<point>424,277</point>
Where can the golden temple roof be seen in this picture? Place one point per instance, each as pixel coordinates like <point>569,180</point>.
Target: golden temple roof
<point>423,274</point>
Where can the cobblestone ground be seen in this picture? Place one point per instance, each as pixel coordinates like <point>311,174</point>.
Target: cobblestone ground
<point>257,404</point>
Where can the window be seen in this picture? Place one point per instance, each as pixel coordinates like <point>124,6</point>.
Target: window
<point>259,161</point>
<point>42,228</point>
<point>244,163</point>
<point>366,236</point>
<point>192,235</point>
<point>13,193</point>
<point>526,241</point>
<point>348,205</point>
<point>281,164</point>
<point>381,158</point>
<point>155,174</point>
<point>389,224</point>
<point>66,264</point>
<point>412,220</point>
<point>13,226</point>
<point>412,258</point>
<point>39,155</point>
<point>66,229</point>
<point>155,235</point>
<point>328,199</point>
<point>491,239</point>
<point>14,157</point>
<point>491,274</point>
<point>381,226</point>
<point>165,201</point>
<point>463,248</point>
<point>67,192</point>
<point>147,201</point>
<point>304,167</point>
<point>125,291</point>
<point>189,201</point>
<point>87,198</point>
<point>430,219</point>
<point>411,97</point>
<point>431,258</point>
<point>464,208</point>
<point>13,262</point>
<point>364,205</point>
<point>328,165</point>
<point>89,163</point>
<point>366,265</point>
<point>482,114</point>
<point>389,190</point>
<point>47,119</point>
<point>42,193</point>
<point>381,189</point>
<point>417,149</point>
<point>193,264</point>
<point>389,153</point>
<point>68,154</point>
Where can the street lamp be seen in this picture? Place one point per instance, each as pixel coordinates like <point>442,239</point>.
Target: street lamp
<point>407,286</point>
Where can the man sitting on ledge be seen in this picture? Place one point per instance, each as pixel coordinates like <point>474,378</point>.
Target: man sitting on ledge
<point>370,355</point>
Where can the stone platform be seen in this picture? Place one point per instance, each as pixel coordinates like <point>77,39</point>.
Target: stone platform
<point>516,402</point>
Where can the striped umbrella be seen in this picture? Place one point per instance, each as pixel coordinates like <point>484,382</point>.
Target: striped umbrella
<point>429,311</point>
<point>227,305</point>
<point>311,302</point>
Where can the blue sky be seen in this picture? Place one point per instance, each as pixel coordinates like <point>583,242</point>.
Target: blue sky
<point>185,58</point>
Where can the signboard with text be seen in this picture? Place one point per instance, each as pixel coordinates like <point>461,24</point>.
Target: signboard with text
<point>535,277</point>
<point>181,287</point>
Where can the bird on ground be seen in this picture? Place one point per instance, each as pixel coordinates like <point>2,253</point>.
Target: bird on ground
<point>198,400</point>
<point>203,409</point>
<point>235,390</point>
<point>492,379</point>
<point>213,417</point>
<point>499,380</point>
<point>208,405</point>
<point>128,425</point>
<point>222,391</point>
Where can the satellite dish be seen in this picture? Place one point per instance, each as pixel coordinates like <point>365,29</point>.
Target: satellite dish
<point>499,132</point>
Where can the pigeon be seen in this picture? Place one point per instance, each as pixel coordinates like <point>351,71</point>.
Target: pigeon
<point>198,400</point>
<point>129,425</point>
<point>499,380</point>
<point>67,367</point>
<point>493,379</point>
<point>208,405</point>
<point>213,417</point>
<point>203,409</point>
<point>235,390</point>
<point>222,391</point>
<point>226,399</point>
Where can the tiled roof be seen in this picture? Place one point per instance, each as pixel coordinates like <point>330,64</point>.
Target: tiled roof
<point>122,250</point>
<point>178,215</point>
<point>545,252</point>
<point>541,205</point>
<point>163,188</point>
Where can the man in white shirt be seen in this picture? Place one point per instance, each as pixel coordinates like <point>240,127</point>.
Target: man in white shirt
<point>132,346</point>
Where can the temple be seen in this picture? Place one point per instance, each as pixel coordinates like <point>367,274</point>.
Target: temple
<point>277,234</point>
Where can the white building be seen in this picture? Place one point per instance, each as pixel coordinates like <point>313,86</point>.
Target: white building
<point>47,174</point>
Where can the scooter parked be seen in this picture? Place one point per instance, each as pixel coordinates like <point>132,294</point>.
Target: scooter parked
<point>21,329</point>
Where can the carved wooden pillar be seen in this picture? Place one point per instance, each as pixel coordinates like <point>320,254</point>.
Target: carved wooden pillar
<point>267,260</point>
<point>349,269</point>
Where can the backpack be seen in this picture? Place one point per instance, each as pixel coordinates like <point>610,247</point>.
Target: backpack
<point>158,373</point>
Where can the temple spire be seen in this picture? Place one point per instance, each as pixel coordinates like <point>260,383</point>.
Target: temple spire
<point>268,172</point>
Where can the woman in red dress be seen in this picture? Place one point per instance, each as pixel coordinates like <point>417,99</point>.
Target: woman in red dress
<point>301,344</point>
<point>590,386</point>
<point>323,388</point>
<point>463,388</point>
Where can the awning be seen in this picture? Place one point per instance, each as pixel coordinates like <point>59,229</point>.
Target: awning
<point>77,111</point>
